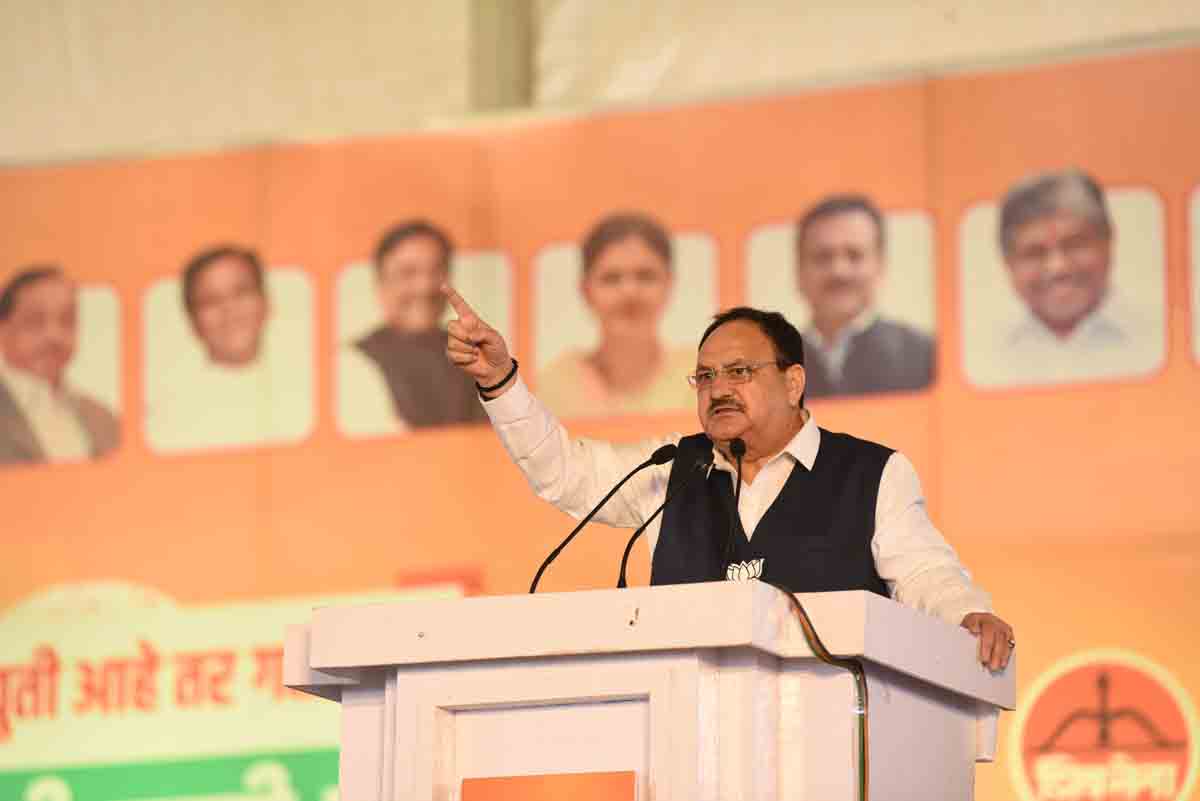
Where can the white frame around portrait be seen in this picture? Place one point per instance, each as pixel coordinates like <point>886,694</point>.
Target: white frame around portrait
<point>169,340</point>
<point>907,294</point>
<point>988,303</point>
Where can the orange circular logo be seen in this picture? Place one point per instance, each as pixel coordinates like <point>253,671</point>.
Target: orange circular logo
<point>1104,725</point>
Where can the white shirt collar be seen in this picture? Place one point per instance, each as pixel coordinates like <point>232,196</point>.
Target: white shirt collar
<point>1102,326</point>
<point>28,389</point>
<point>864,320</point>
<point>802,448</point>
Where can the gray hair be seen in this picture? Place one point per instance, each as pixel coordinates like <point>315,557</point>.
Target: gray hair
<point>1041,195</point>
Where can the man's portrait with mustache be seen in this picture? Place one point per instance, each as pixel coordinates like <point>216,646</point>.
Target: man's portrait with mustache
<point>841,260</point>
<point>42,417</point>
<point>395,372</point>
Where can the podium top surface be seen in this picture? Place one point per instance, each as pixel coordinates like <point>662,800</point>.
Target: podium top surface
<point>722,614</point>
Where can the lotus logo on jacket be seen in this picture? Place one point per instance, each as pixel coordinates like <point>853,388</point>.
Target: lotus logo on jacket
<point>744,571</point>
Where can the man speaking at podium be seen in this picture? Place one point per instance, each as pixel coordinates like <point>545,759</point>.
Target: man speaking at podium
<point>817,511</point>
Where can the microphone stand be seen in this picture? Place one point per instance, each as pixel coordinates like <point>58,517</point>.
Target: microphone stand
<point>700,468</point>
<point>737,447</point>
<point>661,456</point>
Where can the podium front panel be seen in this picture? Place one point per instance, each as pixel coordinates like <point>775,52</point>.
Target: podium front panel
<point>436,693</point>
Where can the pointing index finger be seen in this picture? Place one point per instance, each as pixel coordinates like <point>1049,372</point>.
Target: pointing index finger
<point>459,304</point>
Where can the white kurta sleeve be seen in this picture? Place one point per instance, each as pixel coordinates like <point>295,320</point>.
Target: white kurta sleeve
<point>912,556</point>
<point>574,474</point>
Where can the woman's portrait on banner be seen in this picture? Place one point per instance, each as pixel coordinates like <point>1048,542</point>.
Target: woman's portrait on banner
<point>619,315</point>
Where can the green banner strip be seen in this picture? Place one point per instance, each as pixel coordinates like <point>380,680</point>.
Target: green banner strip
<point>286,776</point>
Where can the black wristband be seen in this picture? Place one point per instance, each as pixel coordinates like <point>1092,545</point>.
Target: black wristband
<point>501,383</point>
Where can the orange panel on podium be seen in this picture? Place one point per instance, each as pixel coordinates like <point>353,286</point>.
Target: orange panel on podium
<point>617,786</point>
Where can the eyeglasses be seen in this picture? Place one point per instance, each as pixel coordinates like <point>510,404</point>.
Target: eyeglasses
<point>734,373</point>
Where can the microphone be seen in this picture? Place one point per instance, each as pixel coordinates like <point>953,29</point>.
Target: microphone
<point>737,447</point>
<point>698,469</point>
<point>661,456</point>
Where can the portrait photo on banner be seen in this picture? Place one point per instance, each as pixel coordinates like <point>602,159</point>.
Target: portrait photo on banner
<point>1194,248</point>
<point>1063,281</point>
<point>859,284</point>
<point>228,353</point>
<point>392,374</point>
<point>60,367</point>
<point>618,317</point>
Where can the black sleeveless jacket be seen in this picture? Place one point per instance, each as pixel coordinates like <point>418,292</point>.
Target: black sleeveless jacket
<point>815,537</point>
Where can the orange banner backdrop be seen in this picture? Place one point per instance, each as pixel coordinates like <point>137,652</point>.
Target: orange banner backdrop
<point>1075,505</point>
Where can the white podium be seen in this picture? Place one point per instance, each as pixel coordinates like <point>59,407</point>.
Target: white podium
<point>706,691</point>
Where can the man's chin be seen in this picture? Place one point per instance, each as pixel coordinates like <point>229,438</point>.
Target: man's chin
<point>843,306</point>
<point>1065,318</point>
<point>234,357</point>
<point>726,426</point>
<point>415,324</point>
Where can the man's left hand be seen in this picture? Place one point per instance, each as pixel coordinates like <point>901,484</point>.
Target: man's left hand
<point>996,641</point>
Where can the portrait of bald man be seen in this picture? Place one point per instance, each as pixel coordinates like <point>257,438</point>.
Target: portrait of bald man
<point>42,417</point>
<point>1078,317</point>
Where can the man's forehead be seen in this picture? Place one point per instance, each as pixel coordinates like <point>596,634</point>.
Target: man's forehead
<point>1057,224</point>
<point>417,248</point>
<point>734,341</point>
<point>407,268</point>
<point>229,267</point>
<point>850,227</point>
<point>850,221</point>
<point>53,289</point>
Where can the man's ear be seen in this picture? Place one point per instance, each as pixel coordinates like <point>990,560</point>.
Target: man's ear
<point>585,291</point>
<point>195,329</point>
<point>798,274</point>
<point>796,380</point>
<point>378,294</point>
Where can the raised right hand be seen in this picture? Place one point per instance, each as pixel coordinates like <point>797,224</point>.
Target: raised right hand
<point>474,346</point>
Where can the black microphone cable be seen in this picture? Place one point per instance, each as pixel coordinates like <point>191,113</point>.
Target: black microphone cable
<point>661,456</point>
<point>700,468</point>
<point>851,665</point>
<point>737,447</point>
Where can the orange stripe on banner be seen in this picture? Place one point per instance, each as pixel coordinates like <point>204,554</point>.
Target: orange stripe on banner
<point>469,577</point>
